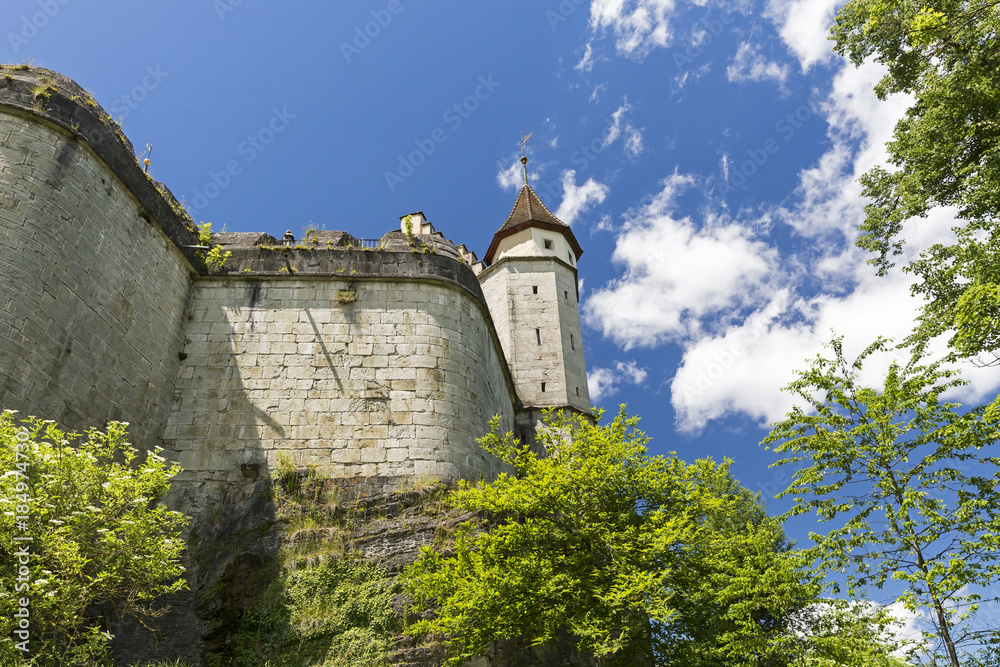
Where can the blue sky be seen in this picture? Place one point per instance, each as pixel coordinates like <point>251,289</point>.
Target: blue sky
<point>705,153</point>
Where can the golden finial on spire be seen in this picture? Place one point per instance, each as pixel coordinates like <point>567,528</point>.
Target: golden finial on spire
<point>524,160</point>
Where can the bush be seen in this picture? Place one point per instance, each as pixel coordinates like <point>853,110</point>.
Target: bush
<point>80,531</point>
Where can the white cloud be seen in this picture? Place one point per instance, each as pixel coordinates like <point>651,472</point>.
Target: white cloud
<point>804,26</point>
<point>617,118</point>
<point>859,125</point>
<point>605,382</point>
<point>598,93</point>
<point>677,273</point>
<point>750,65</point>
<point>511,178</point>
<point>604,225</point>
<point>586,63</point>
<point>633,142</point>
<point>912,624</point>
<point>577,199</point>
<point>745,368</point>
<point>638,25</point>
<point>601,382</point>
<point>742,369</point>
<point>621,126</point>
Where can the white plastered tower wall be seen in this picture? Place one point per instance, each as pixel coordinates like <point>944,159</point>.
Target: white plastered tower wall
<point>531,288</point>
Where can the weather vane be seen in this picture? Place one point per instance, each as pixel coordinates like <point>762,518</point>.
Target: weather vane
<point>524,160</point>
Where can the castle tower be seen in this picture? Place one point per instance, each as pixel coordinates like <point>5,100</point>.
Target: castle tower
<point>532,292</point>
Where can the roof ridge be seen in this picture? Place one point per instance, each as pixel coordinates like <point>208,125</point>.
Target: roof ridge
<point>525,210</point>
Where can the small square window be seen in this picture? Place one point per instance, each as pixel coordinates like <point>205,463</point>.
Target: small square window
<point>548,244</point>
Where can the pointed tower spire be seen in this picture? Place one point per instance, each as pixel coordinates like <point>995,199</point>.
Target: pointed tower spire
<point>531,288</point>
<point>530,212</point>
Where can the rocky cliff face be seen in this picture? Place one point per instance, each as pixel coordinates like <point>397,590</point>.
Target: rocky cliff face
<point>302,570</point>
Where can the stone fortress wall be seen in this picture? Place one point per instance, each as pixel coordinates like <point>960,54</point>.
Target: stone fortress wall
<point>93,291</point>
<point>370,377</point>
<point>380,363</point>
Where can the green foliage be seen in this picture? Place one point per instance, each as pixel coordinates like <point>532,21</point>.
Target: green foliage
<point>215,258</point>
<point>321,605</point>
<point>636,558</point>
<point>43,91</point>
<point>946,149</point>
<point>205,233</point>
<point>909,483</point>
<point>97,537</point>
<point>337,613</point>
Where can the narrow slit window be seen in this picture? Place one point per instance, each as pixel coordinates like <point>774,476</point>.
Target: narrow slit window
<point>577,391</point>
<point>534,289</point>
<point>569,257</point>
<point>566,295</point>
<point>572,342</point>
<point>543,387</point>
<point>538,336</point>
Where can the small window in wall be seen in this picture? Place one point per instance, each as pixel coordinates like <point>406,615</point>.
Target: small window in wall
<point>548,244</point>
<point>577,391</point>
<point>566,295</point>
<point>572,342</point>
<point>538,336</point>
<point>543,387</point>
<point>569,256</point>
<point>534,289</point>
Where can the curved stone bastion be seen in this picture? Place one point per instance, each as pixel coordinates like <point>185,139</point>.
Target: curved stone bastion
<point>380,363</point>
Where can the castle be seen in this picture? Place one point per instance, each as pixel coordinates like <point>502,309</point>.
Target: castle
<point>377,359</point>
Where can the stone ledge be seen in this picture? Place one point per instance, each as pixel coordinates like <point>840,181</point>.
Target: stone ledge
<point>350,264</point>
<point>68,106</point>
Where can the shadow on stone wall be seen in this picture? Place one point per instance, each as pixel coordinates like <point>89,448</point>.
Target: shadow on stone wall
<point>225,490</point>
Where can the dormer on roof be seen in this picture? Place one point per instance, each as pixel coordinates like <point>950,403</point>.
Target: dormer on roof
<point>530,213</point>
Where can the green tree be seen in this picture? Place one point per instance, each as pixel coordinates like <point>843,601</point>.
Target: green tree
<point>80,530</point>
<point>636,558</point>
<point>908,481</point>
<point>945,152</point>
